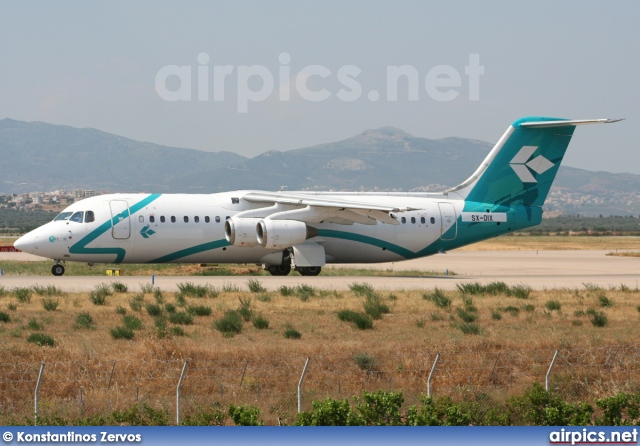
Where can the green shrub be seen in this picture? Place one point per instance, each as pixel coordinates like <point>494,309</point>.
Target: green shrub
<point>255,286</point>
<point>304,292</point>
<point>33,324</point>
<point>131,322</point>
<point>364,360</point>
<point>496,316</point>
<point>420,323</point>
<point>292,333</point>
<point>177,331</point>
<point>520,291</point>
<point>513,311</point>
<point>468,328</point>
<point>146,288</point>
<point>245,309</point>
<point>22,294</point>
<point>437,317</point>
<point>264,298</point>
<point>230,288</point>
<point>361,289</point>
<point>529,308</point>
<point>181,318</point>
<point>439,298</point>
<point>598,319</point>
<point>328,412</point>
<point>360,320</point>
<point>84,320</point>
<point>474,288</point>
<point>541,408</point>
<point>604,301</point>
<point>50,304</point>
<point>12,306</point>
<point>170,308</point>
<point>119,287</point>
<point>199,310</point>
<point>622,409</point>
<point>494,288</point>
<point>157,295</point>
<point>99,295</point>
<point>121,310</point>
<point>160,324</point>
<point>467,301</point>
<point>287,290</point>
<point>245,415</point>
<point>380,408</point>
<point>3,291</point>
<point>4,317</point>
<point>552,305</point>
<point>41,340</point>
<point>136,302</point>
<point>374,307</point>
<point>122,333</point>
<point>49,290</point>
<point>466,316</point>
<point>229,324</point>
<point>260,322</point>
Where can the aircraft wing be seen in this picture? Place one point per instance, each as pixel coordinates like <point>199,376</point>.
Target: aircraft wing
<point>313,209</point>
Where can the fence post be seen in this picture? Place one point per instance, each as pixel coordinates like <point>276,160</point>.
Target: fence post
<point>113,367</point>
<point>304,372</point>
<point>35,399</point>
<point>184,369</point>
<point>433,369</point>
<point>546,378</point>
<point>243,371</point>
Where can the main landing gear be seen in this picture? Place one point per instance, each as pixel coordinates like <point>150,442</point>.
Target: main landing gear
<point>57,269</point>
<point>285,267</point>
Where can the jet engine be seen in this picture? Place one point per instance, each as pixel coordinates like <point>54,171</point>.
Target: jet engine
<point>282,234</point>
<point>241,231</point>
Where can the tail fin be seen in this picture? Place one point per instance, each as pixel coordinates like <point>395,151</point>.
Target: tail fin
<point>521,167</point>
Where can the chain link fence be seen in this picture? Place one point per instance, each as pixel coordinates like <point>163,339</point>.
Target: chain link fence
<point>74,389</point>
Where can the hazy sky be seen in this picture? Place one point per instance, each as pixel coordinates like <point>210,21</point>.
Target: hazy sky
<point>97,64</point>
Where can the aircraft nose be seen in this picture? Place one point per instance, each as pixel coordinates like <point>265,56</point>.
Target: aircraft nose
<point>27,243</point>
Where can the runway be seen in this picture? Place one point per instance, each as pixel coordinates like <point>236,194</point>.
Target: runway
<point>538,269</point>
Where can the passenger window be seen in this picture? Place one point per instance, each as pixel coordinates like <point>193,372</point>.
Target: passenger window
<point>162,219</point>
<point>207,219</point>
<point>433,221</point>
<point>423,220</point>
<point>152,219</point>
<point>89,217</point>
<point>196,219</point>
<point>217,219</point>
<point>227,217</point>
<point>141,219</point>
<point>173,219</point>
<point>77,217</point>
<point>186,219</point>
<point>403,220</point>
<point>413,220</point>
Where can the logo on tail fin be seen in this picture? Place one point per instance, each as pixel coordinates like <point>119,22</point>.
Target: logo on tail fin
<point>522,164</point>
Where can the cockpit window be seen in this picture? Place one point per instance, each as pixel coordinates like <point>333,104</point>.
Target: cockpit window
<point>89,217</point>
<point>63,216</point>
<point>77,217</point>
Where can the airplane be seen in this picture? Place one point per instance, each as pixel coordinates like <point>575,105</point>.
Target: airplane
<point>305,230</point>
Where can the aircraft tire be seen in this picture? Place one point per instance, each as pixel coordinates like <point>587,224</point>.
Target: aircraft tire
<point>57,270</point>
<point>309,270</point>
<point>280,270</point>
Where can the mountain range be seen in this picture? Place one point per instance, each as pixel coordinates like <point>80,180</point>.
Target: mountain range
<point>40,157</point>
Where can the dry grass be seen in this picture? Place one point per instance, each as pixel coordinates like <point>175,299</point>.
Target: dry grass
<point>526,242</point>
<point>624,254</point>
<point>403,348</point>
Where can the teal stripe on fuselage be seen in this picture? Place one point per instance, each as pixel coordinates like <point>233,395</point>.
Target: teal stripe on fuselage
<point>404,252</point>
<point>190,251</point>
<point>80,247</point>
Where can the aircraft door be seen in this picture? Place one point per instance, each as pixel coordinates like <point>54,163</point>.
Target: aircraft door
<point>120,222</point>
<point>448,219</point>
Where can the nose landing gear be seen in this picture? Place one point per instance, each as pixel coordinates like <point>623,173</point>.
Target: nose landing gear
<point>57,269</point>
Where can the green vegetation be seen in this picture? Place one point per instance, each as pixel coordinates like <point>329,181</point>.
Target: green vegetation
<point>364,360</point>
<point>291,333</point>
<point>33,324</point>
<point>255,286</point>
<point>181,318</point>
<point>552,305</point>
<point>199,310</point>
<point>190,290</point>
<point>131,322</point>
<point>374,306</point>
<point>439,298</point>
<point>122,333</point>
<point>229,324</point>
<point>260,322</point>
<point>22,294</point>
<point>50,304</point>
<point>4,317</point>
<point>99,295</point>
<point>494,288</point>
<point>360,320</point>
<point>119,287</point>
<point>41,340</point>
<point>84,320</point>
